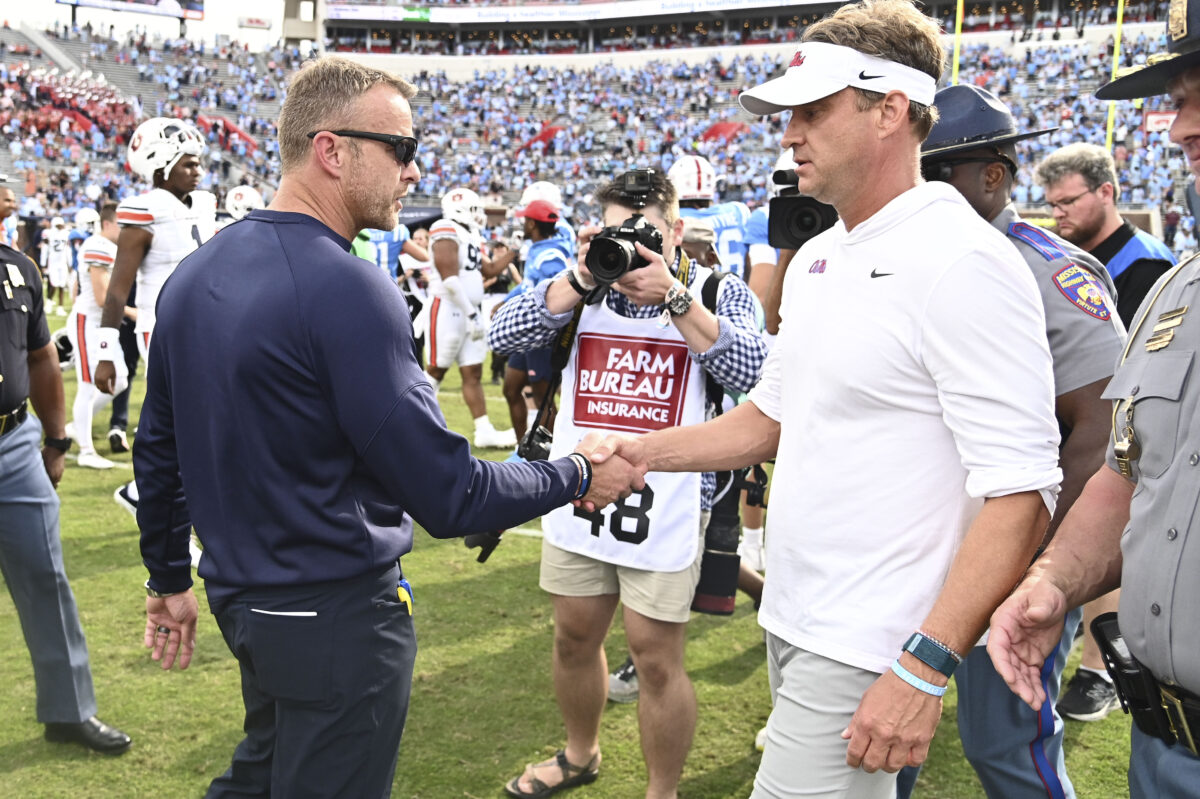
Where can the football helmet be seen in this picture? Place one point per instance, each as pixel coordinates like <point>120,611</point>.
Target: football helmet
<point>464,207</point>
<point>693,178</point>
<point>541,190</point>
<point>87,220</point>
<point>241,200</point>
<point>57,222</point>
<point>159,143</point>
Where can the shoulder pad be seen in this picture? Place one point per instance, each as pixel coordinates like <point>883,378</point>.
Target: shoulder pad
<point>446,228</point>
<point>204,201</point>
<point>1038,239</point>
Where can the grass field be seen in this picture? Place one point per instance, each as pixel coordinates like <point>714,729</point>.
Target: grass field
<point>482,704</point>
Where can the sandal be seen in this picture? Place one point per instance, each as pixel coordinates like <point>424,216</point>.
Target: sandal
<point>572,776</point>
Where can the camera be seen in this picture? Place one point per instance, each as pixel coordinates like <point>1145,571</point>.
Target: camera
<point>535,444</point>
<point>794,218</point>
<point>612,253</point>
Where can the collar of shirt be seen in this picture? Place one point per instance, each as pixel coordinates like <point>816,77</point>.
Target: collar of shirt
<point>1107,249</point>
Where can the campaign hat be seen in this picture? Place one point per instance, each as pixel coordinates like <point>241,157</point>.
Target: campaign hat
<point>1183,53</point>
<point>971,117</point>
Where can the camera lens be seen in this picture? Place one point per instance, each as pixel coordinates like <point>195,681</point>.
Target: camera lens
<point>608,259</point>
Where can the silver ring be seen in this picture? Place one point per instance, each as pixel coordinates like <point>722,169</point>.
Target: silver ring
<point>164,630</point>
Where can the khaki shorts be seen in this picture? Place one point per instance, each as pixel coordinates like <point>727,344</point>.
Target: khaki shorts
<point>662,596</point>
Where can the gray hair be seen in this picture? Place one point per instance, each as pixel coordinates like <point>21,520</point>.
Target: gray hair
<point>322,96</point>
<point>1091,162</point>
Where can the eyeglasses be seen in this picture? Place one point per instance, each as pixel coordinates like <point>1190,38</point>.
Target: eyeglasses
<point>1062,205</point>
<point>942,170</point>
<point>405,147</point>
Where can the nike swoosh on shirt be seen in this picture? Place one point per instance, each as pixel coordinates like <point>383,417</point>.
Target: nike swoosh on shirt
<point>877,273</point>
<point>865,76</point>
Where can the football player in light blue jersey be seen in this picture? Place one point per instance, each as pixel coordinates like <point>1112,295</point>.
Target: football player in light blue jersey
<point>549,248</point>
<point>761,257</point>
<point>564,235</point>
<point>695,182</point>
<point>389,244</point>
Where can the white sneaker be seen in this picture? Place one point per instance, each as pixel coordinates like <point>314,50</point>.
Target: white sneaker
<point>60,311</point>
<point>623,684</point>
<point>495,439</point>
<point>760,740</point>
<point>195,551</point>
<point>122,498</point>
<point>92,460</point>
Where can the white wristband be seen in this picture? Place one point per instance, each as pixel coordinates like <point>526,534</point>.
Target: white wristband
<point>108,344</point>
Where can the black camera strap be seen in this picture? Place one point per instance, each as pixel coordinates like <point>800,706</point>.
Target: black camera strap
<point>559,356</point>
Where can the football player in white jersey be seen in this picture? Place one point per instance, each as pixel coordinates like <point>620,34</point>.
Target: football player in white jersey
<point>56,261</point>
<point>158,229</point>
<point>456,326</point>
<point>695,182</point>
<point>97,255</point>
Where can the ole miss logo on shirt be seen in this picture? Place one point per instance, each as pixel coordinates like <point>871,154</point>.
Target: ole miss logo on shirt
<point>628,383</point>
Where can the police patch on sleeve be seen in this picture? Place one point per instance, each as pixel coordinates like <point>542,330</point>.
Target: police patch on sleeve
<point>1084,290</point>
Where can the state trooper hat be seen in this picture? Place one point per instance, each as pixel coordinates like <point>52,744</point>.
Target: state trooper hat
<point>1183,53</point>
<point>970,117</point>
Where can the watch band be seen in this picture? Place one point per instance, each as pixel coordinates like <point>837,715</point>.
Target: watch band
<point>678,300</point>
<point>929,653</point>
<point>150,592</point>
<point>577,284</point>
<point>60,444</point>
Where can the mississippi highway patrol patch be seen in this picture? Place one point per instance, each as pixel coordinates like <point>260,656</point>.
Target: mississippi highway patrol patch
<point>1084,290</point>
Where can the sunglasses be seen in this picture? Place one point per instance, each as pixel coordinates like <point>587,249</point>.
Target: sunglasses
<point>942,170</point>
<point>404,147</point>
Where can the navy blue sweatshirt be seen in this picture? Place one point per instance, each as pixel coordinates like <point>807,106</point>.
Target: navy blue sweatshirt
<point>284,400</point>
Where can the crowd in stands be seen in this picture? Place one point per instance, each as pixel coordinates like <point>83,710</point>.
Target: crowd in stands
<point>500,130</point>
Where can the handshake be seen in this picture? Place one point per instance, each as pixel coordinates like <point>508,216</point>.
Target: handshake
<point>619,466</point>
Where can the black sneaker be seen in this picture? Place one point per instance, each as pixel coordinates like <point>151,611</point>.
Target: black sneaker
<point>623,683</point>
<point>117,440</point>
<point>1089,697</point>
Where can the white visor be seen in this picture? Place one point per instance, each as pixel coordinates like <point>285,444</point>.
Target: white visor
<point>819,69</point>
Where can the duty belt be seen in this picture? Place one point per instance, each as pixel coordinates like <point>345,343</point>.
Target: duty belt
<point>1183,715</point>
<point>10,421</point>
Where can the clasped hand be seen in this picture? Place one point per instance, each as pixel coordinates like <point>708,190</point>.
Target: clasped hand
<point>614,477</point>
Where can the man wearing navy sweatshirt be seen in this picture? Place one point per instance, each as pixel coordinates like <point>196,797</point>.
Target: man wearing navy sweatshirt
<point>286,404</point>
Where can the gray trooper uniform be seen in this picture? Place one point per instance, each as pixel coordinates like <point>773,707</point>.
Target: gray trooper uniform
<point>30,550</point>
<point>1156,401</point>
<point>1016,751</point>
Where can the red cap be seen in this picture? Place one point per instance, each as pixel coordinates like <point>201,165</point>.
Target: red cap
<point>539,211</point>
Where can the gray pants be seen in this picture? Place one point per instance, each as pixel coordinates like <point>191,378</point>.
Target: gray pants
<point>31,561</point>
<point>814,699</point>
<point>1158,771</point>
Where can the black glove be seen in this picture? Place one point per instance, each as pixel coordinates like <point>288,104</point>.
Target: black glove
<point>486,543</point>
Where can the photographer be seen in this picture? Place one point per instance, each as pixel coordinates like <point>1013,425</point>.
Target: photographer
<point>638,362</point>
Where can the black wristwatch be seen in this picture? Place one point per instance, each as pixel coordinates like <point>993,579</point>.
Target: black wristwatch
<point>60,444</point>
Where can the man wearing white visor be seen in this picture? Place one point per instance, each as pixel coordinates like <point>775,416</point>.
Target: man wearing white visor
<point>908,402</point>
